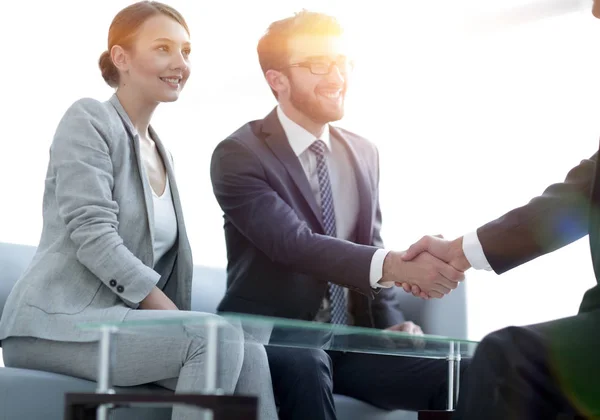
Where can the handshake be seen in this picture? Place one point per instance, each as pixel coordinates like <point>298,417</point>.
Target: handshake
<point>430,268</point>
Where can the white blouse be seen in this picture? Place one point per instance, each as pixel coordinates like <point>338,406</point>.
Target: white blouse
<point>165,222</point>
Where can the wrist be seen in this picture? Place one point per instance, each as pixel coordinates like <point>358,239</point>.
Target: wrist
<point>389,269</point>
<point>459,260</point>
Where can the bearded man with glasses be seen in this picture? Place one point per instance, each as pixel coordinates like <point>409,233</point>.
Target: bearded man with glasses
<point>302,227</point>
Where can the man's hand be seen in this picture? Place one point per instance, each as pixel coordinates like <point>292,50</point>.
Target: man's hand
<point>433,276</point>
<point>407,327</point>
<point>448,251</point>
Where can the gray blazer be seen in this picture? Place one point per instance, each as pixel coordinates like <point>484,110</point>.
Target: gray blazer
<point>95,257</point>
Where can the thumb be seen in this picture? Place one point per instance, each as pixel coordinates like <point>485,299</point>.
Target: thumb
<point>415,249</point>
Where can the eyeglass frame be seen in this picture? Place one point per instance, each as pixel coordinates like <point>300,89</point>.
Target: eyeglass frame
<point>308,65</point>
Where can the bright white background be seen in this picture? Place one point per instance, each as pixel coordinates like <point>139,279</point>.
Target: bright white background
<point>472,118</point>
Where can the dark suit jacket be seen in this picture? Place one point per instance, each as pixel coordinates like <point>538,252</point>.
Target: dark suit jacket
<point>279,259</point>
<point>565,212</point>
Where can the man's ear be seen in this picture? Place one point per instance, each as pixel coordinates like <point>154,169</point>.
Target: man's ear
<point>277,81</point>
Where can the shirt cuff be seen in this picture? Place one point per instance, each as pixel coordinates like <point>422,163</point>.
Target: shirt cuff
<point>474,252</point>
<point>376,272</point>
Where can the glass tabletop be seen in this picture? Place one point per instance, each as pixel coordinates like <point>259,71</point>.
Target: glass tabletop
<point>302,334</point>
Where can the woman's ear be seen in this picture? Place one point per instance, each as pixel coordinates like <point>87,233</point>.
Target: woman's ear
<point>119,58</point>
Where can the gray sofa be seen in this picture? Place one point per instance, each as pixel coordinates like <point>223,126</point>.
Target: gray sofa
<point>34,395</point>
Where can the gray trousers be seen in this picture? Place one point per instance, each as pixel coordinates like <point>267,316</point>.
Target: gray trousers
<point>172,356</point>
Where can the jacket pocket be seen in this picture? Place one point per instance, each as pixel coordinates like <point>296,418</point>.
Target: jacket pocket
<point>59,287</point>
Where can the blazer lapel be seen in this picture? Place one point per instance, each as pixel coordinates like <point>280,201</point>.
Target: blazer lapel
<point>135,138</point>
<point>278,142</point>
<point>365,192</point>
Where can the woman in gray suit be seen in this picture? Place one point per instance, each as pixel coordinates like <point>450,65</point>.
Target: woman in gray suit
<point>114,245</point>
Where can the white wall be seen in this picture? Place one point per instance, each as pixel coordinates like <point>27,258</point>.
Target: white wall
<point>470,121</point>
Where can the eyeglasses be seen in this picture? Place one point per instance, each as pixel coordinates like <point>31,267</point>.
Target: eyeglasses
<point>322,68</point>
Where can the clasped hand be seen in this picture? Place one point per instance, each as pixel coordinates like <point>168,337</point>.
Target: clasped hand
<point>430,268</point>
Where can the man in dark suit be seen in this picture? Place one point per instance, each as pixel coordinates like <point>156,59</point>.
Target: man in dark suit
<point>302,228</point>
<point>543,370</point>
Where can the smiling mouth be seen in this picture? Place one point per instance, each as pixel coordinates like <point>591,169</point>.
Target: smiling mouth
<point>331,94</point>
<point>172,81</point>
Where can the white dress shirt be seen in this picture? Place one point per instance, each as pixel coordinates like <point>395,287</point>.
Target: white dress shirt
<point>343,184</point>
<point>474,252</point>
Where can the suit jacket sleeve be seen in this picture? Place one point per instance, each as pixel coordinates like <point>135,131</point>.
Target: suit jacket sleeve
<point>554,219</point>
<point>260,214</point>
<point>377,240</point>
<point>385,307</point>
<point>81,164</point>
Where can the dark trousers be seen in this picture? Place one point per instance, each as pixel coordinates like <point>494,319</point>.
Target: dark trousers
<point>304,381</point>
<point>536,372</point>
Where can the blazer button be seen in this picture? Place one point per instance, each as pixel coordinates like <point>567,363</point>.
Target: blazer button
<point>112,283</point>
<point>120,289</point>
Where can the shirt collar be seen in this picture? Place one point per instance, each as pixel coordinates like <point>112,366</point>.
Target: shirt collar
<point>298,137</point>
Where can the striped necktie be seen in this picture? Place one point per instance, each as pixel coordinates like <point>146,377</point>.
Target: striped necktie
<point>337,296</point>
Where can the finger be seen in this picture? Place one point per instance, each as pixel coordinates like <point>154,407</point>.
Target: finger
<point>440,288</point>
<point>419,343</point>
<point>439,236</point>
<point>446,285</point>
<point>408,288</point>
<point>405,286</point>
<point>416,248</point>
<point>439,284</point>
<point>452,274</point>
<point>417,292</point>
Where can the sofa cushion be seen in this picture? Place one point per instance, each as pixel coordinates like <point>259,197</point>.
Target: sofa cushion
<point>208,288</point>
<point>36,395</point>
<point>14,259</point>
<point>20,387</point>
<point>348,408</point>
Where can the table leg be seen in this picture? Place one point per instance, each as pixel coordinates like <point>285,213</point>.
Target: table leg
<point>457,359</point>
<point>104,370</point>
<point>450,401</point>
<point>211,357</point>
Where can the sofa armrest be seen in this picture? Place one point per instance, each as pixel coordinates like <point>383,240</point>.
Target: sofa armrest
<point>447,316</point>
